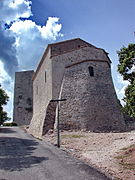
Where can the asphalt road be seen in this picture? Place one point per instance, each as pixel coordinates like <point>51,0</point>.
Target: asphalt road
<point>22,157</point>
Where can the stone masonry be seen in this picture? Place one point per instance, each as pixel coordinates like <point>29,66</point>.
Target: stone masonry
<point>81,73</point>
<point>91,101</point>
<point>23,98</point>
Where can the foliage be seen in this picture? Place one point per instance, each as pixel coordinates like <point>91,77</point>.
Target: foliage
<point>10,124</point>
<point>126,68</point>
<point>130,100</point>
<point>3,101</point>
<point>127,62</point>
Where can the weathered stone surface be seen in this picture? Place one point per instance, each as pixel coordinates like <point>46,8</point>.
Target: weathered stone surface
<point>49,118</point>
<point>23,97</point>
<point>91,100</point>
<point>42,94</point>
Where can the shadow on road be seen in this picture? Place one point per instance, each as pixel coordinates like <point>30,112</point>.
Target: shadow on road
<point>6,130</point>
<point>17,154</point>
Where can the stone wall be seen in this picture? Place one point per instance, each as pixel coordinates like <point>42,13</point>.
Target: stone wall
<point>91,100</point>
<point>49,118</point>
<point>68,46</point>
<point>42,94</point>
<point>23,98</point>
<point>59,63</point>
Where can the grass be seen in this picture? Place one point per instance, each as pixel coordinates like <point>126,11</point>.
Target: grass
<point>129,166</point>
<point>125,165</point>
<point>126,148</point>
<point>122,156</point>
<point>123,159</point>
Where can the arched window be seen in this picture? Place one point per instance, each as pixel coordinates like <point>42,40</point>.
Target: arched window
<point>91,70</point>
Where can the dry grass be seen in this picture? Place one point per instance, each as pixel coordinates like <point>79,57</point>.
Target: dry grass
<point>127,158</point>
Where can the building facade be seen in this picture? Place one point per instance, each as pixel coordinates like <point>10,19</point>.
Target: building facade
<point>23,98</point>
<point>81,73</point>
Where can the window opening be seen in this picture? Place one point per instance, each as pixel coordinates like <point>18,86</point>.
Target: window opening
<point>37,89</point>
<point>91,70</point>
<point>45,76</point>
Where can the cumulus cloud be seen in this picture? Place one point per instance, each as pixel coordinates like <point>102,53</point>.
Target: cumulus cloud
<point>120,87</point>
<point>119,84</point>
<point>49,31</point>
<point>22,41</point>
<point>12,10</point>
<point>8,51</point>
<point>52,29</point>
<point>23,36</point>
<point>33,38</point>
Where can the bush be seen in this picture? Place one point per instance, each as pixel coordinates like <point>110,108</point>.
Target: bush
<point>10,124</point>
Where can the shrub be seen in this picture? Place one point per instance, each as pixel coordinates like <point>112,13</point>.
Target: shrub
<point>10,124</point>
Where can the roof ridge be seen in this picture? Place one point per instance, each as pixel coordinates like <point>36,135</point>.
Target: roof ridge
<point>69,40</point>
<point>60,42</point>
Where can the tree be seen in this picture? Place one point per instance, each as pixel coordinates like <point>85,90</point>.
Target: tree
<point>126,68</point>
<point>3,101</point>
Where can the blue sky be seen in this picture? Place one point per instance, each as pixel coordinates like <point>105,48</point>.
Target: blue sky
<point>108,24</point>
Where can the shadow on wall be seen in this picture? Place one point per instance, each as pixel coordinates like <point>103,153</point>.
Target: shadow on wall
<point>50,117</point>
<point>16,154</point>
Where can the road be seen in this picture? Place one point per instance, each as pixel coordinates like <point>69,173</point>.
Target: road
<point>22,157</point>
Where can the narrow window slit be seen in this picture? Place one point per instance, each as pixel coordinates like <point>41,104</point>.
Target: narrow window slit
<point>91,70</point>
<point>45,76</point>
<point>37,89</point>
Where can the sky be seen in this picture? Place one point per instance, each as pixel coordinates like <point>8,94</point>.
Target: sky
<point>27,26</point>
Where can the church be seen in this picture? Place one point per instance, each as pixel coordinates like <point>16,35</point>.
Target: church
<point>80,73</point>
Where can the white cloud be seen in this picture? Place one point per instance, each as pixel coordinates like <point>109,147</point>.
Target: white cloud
<point>49,31</point>
<point>23,44</point>
<point>11,10</point>
<point>133,68</point>
<point>120,86</point>
<point>121,81</point>
<point>33,38</point>
<point>20,26</point>
<point>52,28</point>
<point>8,51</point>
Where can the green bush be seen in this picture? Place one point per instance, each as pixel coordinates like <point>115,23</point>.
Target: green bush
<point>10,124</point>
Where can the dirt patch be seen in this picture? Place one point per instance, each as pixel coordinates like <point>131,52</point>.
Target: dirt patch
<point>101,150</point>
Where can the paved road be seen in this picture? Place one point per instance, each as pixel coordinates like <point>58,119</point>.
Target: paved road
<point>23,157</point>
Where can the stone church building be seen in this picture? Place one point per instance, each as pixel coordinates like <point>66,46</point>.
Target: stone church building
<point>80,73</point>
